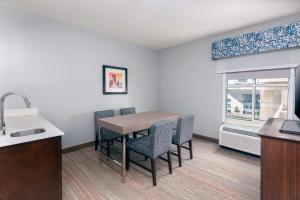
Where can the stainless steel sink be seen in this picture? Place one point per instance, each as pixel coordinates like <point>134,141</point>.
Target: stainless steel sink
<point>28,132</point>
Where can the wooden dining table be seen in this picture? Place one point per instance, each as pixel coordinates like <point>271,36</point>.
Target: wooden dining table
<point>127,124</point>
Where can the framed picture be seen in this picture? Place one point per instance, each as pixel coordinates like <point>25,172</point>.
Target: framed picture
<point>115,80</point>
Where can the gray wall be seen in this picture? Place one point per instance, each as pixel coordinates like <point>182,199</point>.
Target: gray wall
<point>188,82</point>
<point>59,67</point>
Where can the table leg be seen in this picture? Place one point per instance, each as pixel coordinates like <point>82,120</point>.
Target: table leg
<point>124,158</point>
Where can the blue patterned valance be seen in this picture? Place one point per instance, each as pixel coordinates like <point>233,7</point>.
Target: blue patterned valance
<point>279,37</point>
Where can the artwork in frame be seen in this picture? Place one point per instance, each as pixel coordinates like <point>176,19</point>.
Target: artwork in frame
<point>115,80</point>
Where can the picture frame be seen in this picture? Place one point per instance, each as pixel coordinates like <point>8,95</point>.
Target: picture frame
<point>115,80</point>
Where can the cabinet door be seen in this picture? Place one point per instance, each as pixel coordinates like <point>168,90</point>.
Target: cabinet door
<point>31,171</point>
<point>280,172</point>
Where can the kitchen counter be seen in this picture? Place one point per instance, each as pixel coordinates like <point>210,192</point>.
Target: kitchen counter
<point>25,119</point>
<point>25,157</point>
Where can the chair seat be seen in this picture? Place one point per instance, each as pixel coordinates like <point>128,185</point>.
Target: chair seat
<point>141,145</point>
<point>107,134</point>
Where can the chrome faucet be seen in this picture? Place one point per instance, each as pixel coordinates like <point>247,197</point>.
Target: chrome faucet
<point>2,99</point>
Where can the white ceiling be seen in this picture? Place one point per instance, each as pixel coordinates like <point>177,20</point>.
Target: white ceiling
<point>160,23</point>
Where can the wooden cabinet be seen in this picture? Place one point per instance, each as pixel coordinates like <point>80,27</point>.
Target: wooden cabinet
<point>280,163</point>
<point>31,171</point>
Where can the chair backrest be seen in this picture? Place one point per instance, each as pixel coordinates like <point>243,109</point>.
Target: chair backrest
<point>101,114</point>
<point>161,137</point>
<point>127,111</point>
<point>184,131</point>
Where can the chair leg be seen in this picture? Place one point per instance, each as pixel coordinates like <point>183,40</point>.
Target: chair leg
<point>96,142</point>
<point>179,155</point>
<point>191,149</point>
<point>112,142</point>
<point>108,149</point>
<point>127,159</point>
<point>169,162</point>
<point>153,169</point>
<point>101,147</point>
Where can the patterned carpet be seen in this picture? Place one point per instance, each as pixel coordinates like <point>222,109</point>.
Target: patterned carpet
<point>214,173</point>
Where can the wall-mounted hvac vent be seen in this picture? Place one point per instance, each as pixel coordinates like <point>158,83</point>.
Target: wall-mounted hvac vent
<point>240,139</point>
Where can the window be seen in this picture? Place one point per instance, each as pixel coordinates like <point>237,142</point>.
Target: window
<point>256,100</point>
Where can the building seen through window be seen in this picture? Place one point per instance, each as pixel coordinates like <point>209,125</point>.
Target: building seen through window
<point>257,99</point>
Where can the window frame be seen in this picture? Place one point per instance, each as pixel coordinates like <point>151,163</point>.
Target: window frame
<point>253,86</point>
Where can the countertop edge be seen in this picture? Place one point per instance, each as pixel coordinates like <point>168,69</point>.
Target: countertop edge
<point>24,122</point>
<point>271,130</point>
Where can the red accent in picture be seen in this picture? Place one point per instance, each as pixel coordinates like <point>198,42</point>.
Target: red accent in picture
<point>115,80</point>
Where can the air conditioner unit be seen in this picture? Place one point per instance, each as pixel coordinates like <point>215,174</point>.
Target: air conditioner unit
<point>240,139</point>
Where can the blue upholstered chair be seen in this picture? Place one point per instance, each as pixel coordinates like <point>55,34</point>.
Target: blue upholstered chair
<point>183,134</point>
<point>106,135</point>
<point>153,146</point>
<point>127,111</point>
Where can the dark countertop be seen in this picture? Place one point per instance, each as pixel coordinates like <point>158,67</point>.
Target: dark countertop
<point>271,130</point>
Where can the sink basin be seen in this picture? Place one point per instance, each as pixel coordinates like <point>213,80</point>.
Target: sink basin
<point>28,132</point>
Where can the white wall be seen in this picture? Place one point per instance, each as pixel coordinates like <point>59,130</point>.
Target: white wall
<point>188,83</point>
<point>188,79</point>
<point>59,67</point>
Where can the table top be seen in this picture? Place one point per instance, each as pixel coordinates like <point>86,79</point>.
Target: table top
<point>125,124</point>
<point>271,130</point>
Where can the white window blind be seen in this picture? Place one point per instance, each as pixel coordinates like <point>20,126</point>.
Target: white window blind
<point>262,74</point>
